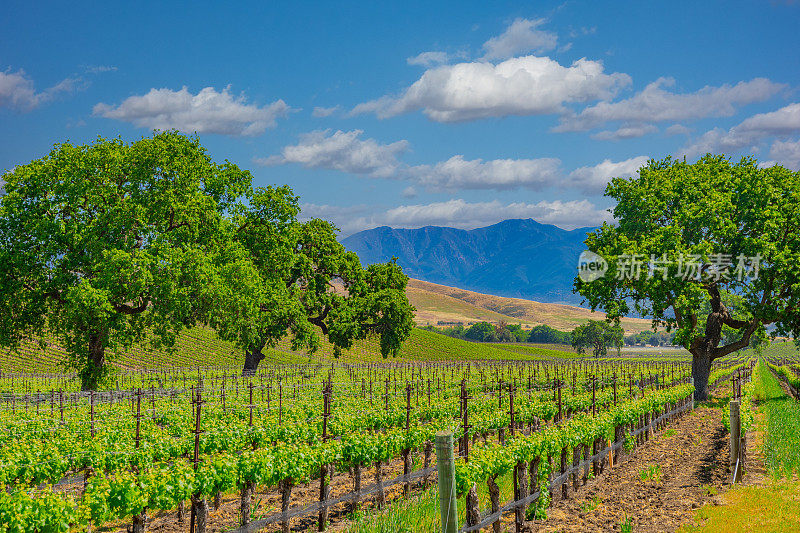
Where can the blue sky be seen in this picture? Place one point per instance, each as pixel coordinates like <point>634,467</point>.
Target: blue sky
<point>413,113</point>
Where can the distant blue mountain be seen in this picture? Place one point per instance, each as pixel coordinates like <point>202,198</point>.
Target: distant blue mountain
<point>516,258</point>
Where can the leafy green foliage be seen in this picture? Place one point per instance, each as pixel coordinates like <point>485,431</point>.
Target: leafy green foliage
<point>108,245</point>
<point>547,335</point>
<point>598,335</point>
<point>675,210</point>
<point>105,242</point>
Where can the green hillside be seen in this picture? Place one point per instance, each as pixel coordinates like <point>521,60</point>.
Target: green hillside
<point>201,347</point>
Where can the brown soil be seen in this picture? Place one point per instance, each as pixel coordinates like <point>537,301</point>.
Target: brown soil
<point>693,461</point>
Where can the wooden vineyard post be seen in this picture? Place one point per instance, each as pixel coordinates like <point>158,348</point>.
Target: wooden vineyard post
<point>565,482</point>
<point>407,451</point>
<point>446,468</point>
<point>251,404</point>
<point>91,410</point>
<point>735,459</point>
<point>199,515</point>
<point>465,423</point>
<point>324,489</point>
<point>285,487</point>
<point>138,414</point>
<point>557,384</point>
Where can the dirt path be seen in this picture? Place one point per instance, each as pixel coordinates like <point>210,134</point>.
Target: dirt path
<point>693,463</point>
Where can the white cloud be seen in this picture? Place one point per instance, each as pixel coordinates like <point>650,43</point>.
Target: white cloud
<point>457,213</point>
<point>349,219</point>
<point>523,35</point>
<point>655,104</point>
<point>786,153</point>
<point>409,192</point>
<point>208,111</point>
<point>527,85</point>
<point>18,92</point>
<point>748,134</point>
<point>344,151</point>
<point>498,174</point>
<point>783,121</point>
<point>321,112</point>
<point>427,59</point>
<point>593,180</point>
<point>625,132</point>
<point>347,151</point>
<point>677,129</point>
<point>460,214</point>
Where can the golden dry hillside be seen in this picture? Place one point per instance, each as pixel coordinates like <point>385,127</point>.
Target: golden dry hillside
<point>439,303</point>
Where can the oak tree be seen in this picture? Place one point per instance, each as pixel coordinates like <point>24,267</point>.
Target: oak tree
<point>597,335</point>
<point>686,235</point>
<point>306,285</point>
<point>108,244</point>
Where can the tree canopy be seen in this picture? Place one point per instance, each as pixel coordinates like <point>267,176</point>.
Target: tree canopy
<point>597,335</point>
<point>306,283</point>
<point>108,244</point>
<point>690,239</point>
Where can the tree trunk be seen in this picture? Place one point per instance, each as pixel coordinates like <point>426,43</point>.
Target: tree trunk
<point>251,360</point>
<point>246,500</point>
<point>95,362</point>
<point>139,522</point>
<point>494,496</point>
<point>701,369</point>
<point>201,514</point>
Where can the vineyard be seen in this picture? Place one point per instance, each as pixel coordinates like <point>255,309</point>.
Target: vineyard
<point>305,445</point>
<point>200,347</point>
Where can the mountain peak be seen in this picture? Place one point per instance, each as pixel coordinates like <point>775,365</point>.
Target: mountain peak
<point>519,258</point>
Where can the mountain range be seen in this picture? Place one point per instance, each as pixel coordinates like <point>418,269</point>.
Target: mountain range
<point>518,258</point>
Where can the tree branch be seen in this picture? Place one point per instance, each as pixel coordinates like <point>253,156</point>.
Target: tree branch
<point>128,309</point>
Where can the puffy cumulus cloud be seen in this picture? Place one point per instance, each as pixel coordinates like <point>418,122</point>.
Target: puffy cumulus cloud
<point>208,111</point>
<point>593,180</point>
<point>344,151</point>
<point>523,35</point>
<point>18,92</point>
<point>348,151</point>
<point>783,121</point>
<point>527,85</point>
<point>656,104</point>
<point>748,134</point>
<point>497,174</point>
<point>785,153</point>
<point>460,214</point>
<point>625,132</point>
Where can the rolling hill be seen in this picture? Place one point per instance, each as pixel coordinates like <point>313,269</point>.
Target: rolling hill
<point>439,303</point>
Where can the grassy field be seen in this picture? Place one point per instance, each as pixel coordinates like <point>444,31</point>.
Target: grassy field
<point>782,424</point>
<point>773,505</point>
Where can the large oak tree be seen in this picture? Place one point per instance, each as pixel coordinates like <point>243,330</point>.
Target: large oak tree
<point>711,249</point>
<point>306,285</point>
<point>111,244</point>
